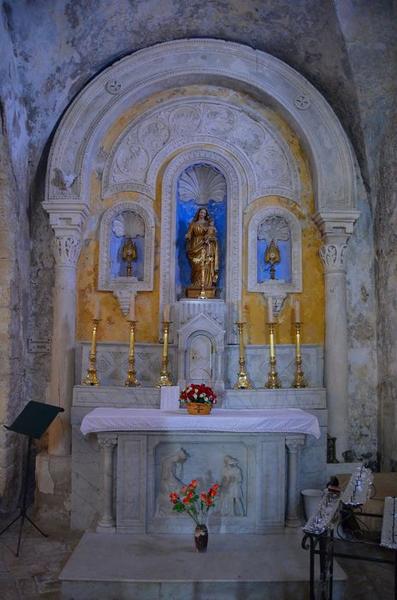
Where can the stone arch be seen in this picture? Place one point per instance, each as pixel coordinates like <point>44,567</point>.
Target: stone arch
<point>198,60</point>
<point>145,144</point>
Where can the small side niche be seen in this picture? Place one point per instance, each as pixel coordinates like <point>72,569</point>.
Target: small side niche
<point>126,250</point>
<point>274,231</point>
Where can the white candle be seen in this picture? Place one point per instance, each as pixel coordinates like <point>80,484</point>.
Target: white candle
<point>166,313</point>
<point>131,314</point>
<point>241,312</point>
<point>270,310</point>
<point>297,311</point>
<point>97,309</point>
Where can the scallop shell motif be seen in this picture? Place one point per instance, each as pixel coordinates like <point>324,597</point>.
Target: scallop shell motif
<point>274,228</point>
<point>128,224</point>
<point>202,184</point>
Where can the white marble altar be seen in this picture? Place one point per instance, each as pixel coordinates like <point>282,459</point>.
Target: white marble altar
<point>86,458</point>
<point>159,451</point>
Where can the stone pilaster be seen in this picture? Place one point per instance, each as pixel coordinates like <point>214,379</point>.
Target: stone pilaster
<point>336,229</point>
<point>67,225</point>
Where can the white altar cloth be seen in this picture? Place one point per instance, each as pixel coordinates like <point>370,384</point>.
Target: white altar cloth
<point>273,420</point>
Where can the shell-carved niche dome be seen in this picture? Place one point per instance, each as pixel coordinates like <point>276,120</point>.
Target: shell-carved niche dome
<point>202,184</point>
<point>128,224</point>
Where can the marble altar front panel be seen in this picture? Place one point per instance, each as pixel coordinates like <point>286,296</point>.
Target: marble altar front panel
<point>249,467</point>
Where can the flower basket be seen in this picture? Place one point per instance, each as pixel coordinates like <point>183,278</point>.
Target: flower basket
<point>198,399</point>
<point>198,408</point>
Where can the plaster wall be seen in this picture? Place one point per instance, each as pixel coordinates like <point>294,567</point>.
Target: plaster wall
<point>386,274</point>
<point>14,268</point>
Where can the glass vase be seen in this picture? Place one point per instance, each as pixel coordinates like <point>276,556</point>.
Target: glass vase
<point>201,538</point>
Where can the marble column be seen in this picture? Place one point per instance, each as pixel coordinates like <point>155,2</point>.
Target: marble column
<point>67,224</point>
<point>293,444</point>
<point>107,443</point>
<point>336,229</point>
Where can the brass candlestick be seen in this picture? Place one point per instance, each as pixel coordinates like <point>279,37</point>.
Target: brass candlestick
<point>299,381</point>
<point>165,377</point>
<point>91,378</point>
<point>273,381</point>
<point>131,380</point>
<point>243,382</point>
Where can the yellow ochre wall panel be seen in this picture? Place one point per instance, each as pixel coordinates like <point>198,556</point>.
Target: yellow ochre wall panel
<point>114,328</point>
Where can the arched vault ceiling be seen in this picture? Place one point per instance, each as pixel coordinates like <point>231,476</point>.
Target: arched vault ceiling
<point>60,45</point>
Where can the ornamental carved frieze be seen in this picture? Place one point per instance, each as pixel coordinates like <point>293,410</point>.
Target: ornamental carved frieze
<point>153,137</point>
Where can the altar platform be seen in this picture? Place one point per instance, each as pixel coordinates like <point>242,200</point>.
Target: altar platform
<point>150,567</point>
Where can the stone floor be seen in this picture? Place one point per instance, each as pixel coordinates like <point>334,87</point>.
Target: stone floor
<point>34,575</point>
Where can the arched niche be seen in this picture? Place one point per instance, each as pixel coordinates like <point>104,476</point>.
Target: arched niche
<point>126,220</point>
<point>237,185</point>
<point>276,287</point>
<point>200,187</point>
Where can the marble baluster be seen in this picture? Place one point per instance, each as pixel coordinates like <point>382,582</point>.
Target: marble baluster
<point>293,444</point>
<point>107,443</point>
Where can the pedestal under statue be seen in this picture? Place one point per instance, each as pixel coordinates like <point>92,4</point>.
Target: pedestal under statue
<point>203,254</point>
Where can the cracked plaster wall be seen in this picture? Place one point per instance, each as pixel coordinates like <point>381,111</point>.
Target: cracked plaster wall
<point>386,272</point>
<point>343,47</point>
<point>14,268</point>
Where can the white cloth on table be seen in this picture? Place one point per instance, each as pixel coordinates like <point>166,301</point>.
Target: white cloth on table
<point>277,420</point>
<point>169,397</point>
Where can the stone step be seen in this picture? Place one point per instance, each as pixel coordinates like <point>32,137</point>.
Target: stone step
<point>167,567</point>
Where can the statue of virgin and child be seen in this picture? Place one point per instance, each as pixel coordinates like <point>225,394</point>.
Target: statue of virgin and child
<point>203,254</point>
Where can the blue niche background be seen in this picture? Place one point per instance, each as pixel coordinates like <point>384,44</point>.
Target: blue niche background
<point>185,211</point>
<point>118,266</point>
<point>283,269</point>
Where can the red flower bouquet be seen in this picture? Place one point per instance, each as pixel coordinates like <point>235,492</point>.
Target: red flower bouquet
<point>198,393</point>
<point>194,503</point>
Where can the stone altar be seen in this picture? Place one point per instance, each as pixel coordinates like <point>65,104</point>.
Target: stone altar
<point>136,465</point>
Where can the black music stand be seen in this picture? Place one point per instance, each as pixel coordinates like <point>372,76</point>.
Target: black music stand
<point>33,421</point>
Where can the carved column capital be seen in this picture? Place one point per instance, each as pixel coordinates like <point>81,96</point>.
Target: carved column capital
<point>107,441</point>
<point>67,221</point>
<point>336,228</point>
<point>294,442</point>
<point>333,256</point>
<point>67,249</point>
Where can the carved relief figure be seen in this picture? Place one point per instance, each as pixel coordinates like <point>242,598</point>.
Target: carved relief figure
<point>202,250</point>
<point>231,495</point>
<point>171,479</point>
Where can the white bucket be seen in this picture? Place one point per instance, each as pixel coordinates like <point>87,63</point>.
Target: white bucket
<point>311,500</point>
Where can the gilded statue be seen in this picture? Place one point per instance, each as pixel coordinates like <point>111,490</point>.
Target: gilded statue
<point>128,254</point>
<point>203,254</point>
